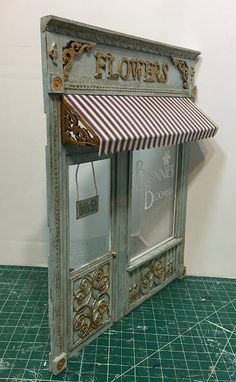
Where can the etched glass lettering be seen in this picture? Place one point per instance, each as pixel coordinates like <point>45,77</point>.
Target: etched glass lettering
<point>153,194</point>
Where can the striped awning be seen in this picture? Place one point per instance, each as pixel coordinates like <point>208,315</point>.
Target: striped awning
<point>125,123</point>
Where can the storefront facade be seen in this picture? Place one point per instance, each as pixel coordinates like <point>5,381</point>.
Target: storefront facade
<point>120,120</point>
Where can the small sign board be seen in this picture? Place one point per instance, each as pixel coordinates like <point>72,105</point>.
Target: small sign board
<point>87,207</point>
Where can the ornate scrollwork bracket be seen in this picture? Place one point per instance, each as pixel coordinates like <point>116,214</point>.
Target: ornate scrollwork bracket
<point>53,53</point>
<point>184,70</point>
<point>74,49</point>
<point>192,74</point>
<point>194,87</point>
<point>74,129</point>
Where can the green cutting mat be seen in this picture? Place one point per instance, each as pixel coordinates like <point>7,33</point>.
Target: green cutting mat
<point>187,332</point>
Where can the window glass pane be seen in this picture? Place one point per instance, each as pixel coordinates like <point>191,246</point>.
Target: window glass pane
<point>90,235</point>
<point>152,202</point>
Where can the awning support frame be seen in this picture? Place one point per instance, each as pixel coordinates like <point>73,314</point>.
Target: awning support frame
<point>74,129</point>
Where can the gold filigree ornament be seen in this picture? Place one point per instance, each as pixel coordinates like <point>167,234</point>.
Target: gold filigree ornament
<point>184,70</point>
<point>152,275</point>
<point>74,49</point>
<point>74,129</point>
<point>159,271</point>
<point>92,302</point>
<point>53,53</point>
<point>146,280</point>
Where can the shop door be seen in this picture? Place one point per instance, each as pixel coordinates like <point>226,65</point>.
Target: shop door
<point>90,246</point>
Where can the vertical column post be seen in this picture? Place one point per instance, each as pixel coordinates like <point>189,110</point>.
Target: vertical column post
<point>120,232</point>
<point>181,202</point>
<point>57,195</point>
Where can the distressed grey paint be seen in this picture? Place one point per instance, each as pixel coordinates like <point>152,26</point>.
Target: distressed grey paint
<point>59,32</point>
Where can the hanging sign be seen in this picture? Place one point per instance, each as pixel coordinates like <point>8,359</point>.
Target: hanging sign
<point>88,206</point>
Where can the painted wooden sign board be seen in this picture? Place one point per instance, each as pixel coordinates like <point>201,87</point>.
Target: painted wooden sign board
<point>125,105</point>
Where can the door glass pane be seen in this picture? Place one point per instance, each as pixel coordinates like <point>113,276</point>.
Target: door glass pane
<point>90,235</point>
<point>153,193</point>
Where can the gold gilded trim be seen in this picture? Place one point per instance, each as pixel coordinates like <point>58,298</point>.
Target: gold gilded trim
<point>57,83</point>
<point>74,129</point>
<point>53,53</point>
<point>152,275</point>
<point>91,302</point>
<point>184,70</point>
<point>74,49</point>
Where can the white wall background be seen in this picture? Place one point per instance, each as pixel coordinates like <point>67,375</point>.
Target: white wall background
<point>206,25</point>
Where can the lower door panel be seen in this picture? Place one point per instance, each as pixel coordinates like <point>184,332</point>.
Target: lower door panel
<point>90,301</point>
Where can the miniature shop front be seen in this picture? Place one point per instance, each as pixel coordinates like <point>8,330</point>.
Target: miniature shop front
<point>120,120</point>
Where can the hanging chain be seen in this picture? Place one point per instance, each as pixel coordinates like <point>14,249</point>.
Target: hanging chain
<point>77,183</point>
